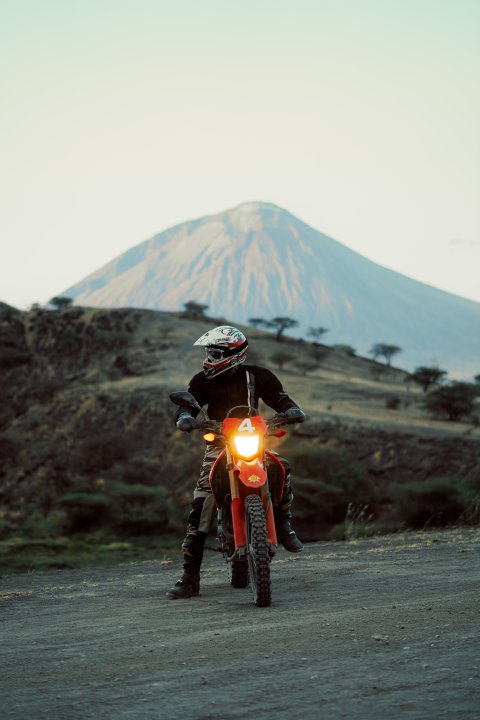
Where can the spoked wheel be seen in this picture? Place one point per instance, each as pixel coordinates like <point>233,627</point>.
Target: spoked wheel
<point>239,573</point>
<point>257,551</point>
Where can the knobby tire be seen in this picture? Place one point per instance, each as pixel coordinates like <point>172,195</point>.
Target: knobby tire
<point>257,551</point>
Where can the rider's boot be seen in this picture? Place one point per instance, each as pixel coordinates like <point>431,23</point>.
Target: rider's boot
<point>189,584</point>
<point>285,533</point>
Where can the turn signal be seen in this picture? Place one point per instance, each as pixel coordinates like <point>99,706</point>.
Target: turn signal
<point>209,437</point>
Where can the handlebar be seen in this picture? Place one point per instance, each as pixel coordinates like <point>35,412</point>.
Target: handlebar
<point>211,426</point>
<point>273,424</point>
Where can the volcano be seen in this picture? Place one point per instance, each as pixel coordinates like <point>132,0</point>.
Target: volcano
<point>259,261</point>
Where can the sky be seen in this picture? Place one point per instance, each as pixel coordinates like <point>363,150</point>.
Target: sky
<point>121,118</point>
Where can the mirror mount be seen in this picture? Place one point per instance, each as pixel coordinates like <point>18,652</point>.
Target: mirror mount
<point>185,400</point>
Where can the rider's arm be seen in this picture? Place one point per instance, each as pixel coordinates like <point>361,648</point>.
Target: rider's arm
<point>196,386</point>
<point>271,391</point>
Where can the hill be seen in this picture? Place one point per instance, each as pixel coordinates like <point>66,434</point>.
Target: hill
<point>260,261</point>
<point>88,445</point>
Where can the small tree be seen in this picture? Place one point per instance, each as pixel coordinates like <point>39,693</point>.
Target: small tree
<point>456,400</point>
<point>280,324</point>
<point>194,309</point>
<point>280,357</point>
<point>319,353</point>
<point>427,376</point>
<point>60,302</point>
<point>316,333</point>
<point>306,366</point>
<point>387,351</point>
<point>257,322</point>
<point>477,378</point>
<point>347,349</point>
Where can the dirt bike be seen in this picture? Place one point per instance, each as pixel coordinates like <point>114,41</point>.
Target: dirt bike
<point>244,479</point>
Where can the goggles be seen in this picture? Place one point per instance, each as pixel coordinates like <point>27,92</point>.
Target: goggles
<point>214,355</point>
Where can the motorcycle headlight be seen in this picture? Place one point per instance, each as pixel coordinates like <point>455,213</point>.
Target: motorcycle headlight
<point>247,446</point>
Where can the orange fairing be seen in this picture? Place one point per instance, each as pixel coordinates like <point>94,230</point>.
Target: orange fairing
<point>245,436</point>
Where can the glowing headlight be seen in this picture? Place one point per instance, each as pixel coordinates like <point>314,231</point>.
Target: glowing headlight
<point>246,445</point>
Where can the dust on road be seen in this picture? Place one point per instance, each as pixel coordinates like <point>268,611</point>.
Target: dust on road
<point>380,628</point>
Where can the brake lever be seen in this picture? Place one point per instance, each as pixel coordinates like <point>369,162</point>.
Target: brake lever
<point>276,421</point>
<point>212,426</point>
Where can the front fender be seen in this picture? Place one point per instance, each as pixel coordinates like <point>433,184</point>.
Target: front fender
<point>251,474</point>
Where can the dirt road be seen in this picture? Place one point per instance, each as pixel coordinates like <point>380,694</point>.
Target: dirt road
<point>382,628</point>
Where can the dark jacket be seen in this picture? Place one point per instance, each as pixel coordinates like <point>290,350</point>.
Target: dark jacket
<point>229,389</point>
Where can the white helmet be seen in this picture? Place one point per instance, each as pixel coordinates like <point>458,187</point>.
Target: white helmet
<point>225,347</point>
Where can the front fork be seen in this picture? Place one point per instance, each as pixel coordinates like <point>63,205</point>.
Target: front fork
<point>238,510</point>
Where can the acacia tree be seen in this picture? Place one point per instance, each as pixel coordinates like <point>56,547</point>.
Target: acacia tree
<point>280,324</point>
<point>427,376</point>
<point>456,400</point>
<point>316,333</point>
<point>194,309</point>
<point>60,302</point>
<point>384,350</point>
<point>257,322</point>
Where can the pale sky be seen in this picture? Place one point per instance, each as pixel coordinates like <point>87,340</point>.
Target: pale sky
<point>121,118</point>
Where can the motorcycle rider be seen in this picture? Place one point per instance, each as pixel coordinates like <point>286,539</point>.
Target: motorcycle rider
<point>225,383</point>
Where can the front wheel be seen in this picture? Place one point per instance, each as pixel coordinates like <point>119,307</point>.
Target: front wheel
<point>257,551</point>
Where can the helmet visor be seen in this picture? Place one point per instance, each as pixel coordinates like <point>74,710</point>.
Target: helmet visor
<point>214,355</point>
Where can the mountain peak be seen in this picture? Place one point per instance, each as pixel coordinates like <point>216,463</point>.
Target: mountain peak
<point>250,216</point>
<point>255,207</point>
<point>258,260</point>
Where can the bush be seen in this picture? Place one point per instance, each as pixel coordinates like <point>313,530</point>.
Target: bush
<point>280,357</point>
<point>11,358</point>
<point>346,349</point>
<point>38,525</point>
<point>9,449</point>
<point>435,502</point>
<point>44,390</point>
<point>85,510</point>
<point>329,482</point>
<point>471,495</point>
<point>139,470</point>
<point>101,451</point>
<point>392,403</point>
<point>141,510</point>
<point>126,510</point>
<point>456,400</point>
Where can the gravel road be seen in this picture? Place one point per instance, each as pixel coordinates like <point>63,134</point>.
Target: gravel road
<point>381,628</point>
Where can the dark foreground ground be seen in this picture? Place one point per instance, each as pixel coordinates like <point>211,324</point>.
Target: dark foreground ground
<point>382,628</point>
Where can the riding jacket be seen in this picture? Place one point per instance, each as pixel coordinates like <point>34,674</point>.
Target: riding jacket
<point>241,386</point>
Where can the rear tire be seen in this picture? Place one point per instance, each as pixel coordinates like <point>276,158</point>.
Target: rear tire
<point>257,551</point>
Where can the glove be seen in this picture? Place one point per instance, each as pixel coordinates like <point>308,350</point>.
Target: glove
<point>295,415</point>
<point>187,422</point>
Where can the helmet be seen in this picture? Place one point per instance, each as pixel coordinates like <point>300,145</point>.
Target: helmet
<point>225,347</point>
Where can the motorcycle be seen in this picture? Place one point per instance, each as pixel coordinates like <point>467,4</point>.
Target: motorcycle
<point>246,481</point>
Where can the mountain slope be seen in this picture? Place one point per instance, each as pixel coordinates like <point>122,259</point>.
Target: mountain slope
<point>258,260</point>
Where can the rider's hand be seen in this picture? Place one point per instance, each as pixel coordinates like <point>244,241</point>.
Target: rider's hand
<point>295,415</point>
<point>187,422</point>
